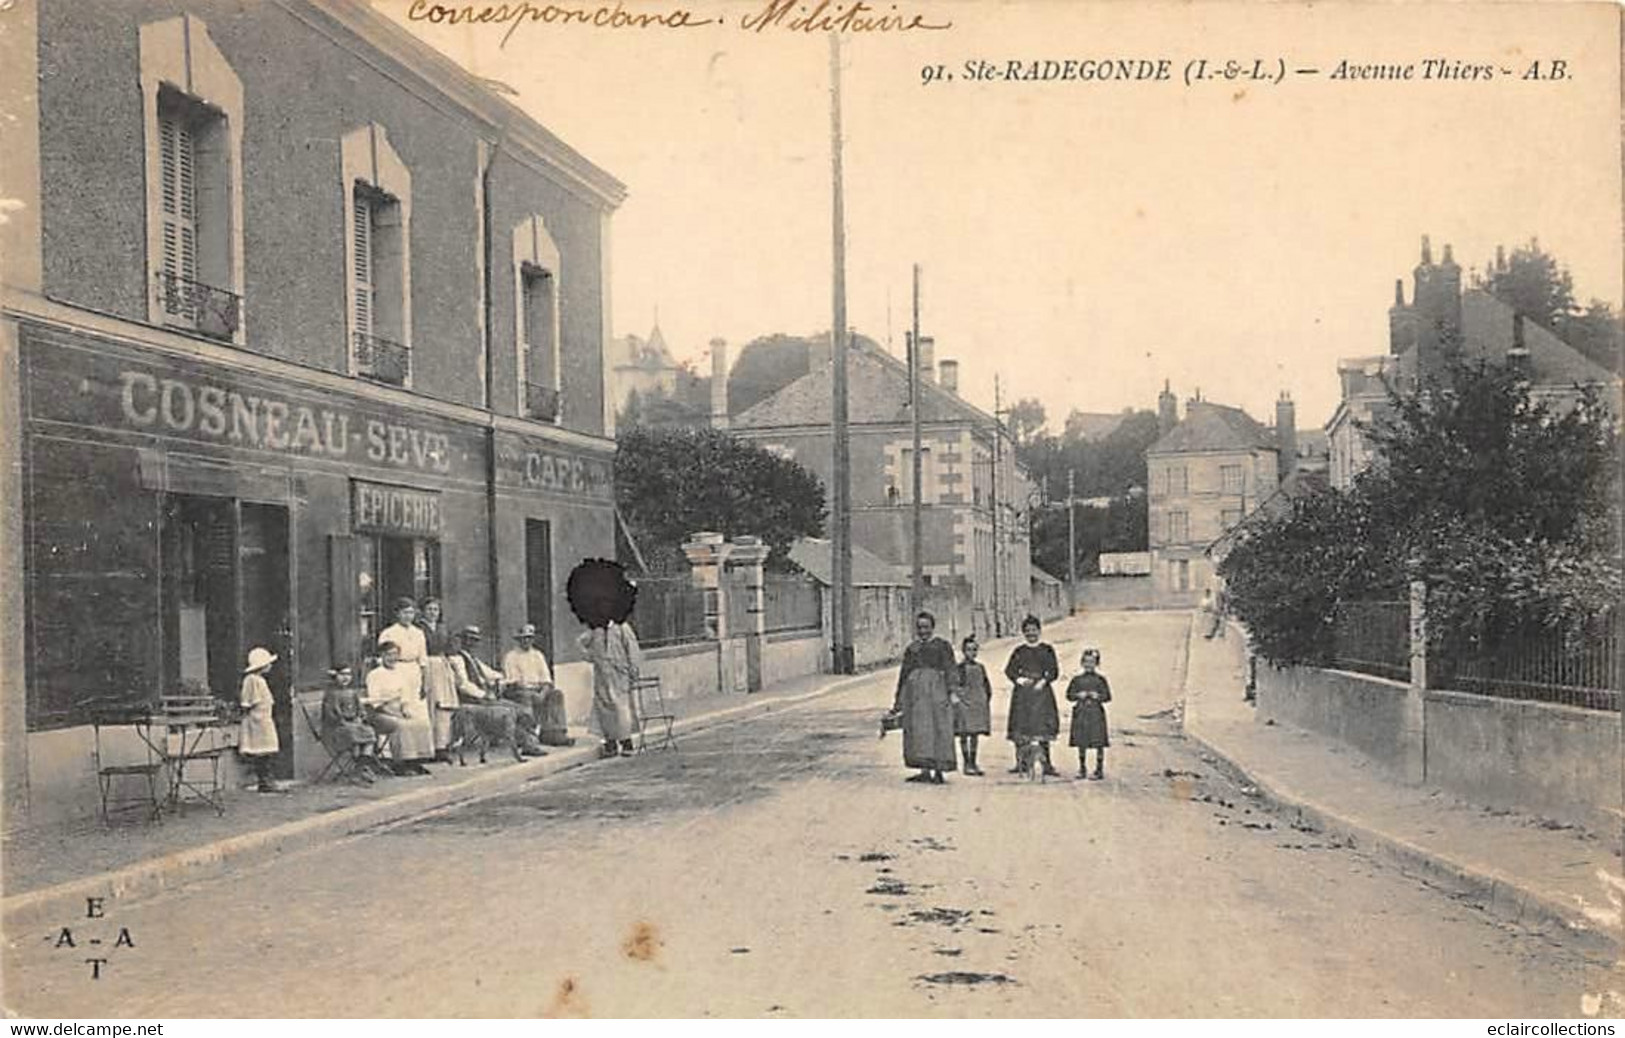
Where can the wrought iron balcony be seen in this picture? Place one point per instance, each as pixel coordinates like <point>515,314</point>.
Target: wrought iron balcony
<point>381,359</point>
<point>543,403</point>
<point>209,310</point>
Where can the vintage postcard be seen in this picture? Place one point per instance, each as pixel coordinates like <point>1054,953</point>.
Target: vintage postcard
<point>810,508</point>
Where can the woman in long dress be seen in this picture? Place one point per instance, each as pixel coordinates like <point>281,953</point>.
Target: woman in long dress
<point>394,697</point>
<point>1033,670</point>
<point>927,690</point>
<point>616,661</point>
<point>439,684</point>
<point>413,647</point>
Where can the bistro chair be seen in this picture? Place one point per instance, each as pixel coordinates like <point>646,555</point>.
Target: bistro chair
<point>649,710</point>
<point>192,724</point>
<point>116,772</point>
<point>343,764</point>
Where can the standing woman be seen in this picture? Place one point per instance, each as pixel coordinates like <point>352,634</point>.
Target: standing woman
<point>973,715</point>
<point>616,661</point>
<point>412,649</point>
<point>1033,669</point>
<point>439,684</point>
<point>927,691</point>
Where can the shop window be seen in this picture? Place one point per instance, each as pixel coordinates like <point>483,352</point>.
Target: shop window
<point>194,117</point>
<point>369,573</point>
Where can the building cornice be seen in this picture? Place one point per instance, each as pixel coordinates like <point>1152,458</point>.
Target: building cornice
<point>121,331</point>
<point>452,83</point>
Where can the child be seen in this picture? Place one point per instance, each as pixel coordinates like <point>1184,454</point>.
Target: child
<point>1088,693</point>
<point>256,738</point>
<point>972,715</point>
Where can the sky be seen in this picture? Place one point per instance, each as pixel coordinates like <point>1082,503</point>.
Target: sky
<point>1081,241</point>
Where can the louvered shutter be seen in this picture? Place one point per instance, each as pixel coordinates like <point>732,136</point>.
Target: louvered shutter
<point>363,264</point>
<point>178,158</point>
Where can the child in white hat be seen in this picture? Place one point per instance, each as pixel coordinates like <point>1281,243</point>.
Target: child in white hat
<point>256,737</point>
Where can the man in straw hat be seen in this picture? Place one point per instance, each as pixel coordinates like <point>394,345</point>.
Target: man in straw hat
<point>479,688</point>
<point>528,681</point>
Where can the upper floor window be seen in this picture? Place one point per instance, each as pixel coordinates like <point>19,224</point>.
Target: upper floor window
<point>1229,517</point>
<point>193,114</point>
<point>905,476</point>
<point>537,325</point>
<point>378,221</point>
<point>1230,478</point>
<point>1179,527</point>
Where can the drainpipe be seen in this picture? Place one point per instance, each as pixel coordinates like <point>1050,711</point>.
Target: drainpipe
<point>491,555</point>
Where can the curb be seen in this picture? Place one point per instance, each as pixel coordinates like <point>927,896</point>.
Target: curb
<point>1497,893</point>
<point>156,875</point>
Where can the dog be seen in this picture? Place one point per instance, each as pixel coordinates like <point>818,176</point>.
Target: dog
<point>1030,759</point>
<point>479,729</point>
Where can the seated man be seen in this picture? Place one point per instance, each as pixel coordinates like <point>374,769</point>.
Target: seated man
<point>344,724</point>
<point>528,681</point>
<point>479,692</point>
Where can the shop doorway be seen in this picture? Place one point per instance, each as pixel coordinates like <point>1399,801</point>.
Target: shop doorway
<point>539,582</point>
<point>390,568</point>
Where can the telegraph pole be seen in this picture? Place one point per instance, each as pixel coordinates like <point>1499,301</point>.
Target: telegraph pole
<point>993,497</point>
<point>841,539</point>
<point>914,411</point>
<point>1071,545</point>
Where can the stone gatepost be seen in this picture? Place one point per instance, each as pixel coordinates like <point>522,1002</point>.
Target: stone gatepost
<point>1414,731</point>
<point>707,556</point>
<point>748,554</point>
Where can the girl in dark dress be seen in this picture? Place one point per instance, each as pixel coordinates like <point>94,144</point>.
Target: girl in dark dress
<point>926,694</point>
<point>972,717</point>
<point>1033,670</point>
<point>1089,692</point>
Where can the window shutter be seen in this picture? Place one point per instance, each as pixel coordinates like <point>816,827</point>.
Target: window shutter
<point>363,263</point>
<point>343,610</point>
<point>178,162</point>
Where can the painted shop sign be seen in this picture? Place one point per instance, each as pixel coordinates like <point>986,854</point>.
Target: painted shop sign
<point>529,464</point>
<point>381,508</point>
<point>193,402</point>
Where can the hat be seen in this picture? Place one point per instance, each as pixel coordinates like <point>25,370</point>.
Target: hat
<point>472,632</point>
<point>259,659</point>
<point>525,631</point>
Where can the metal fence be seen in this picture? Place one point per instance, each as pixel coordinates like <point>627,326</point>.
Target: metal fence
<point>669,611</point>
<point>791,603</point>
<point>1373,638</point>
<point>1550,666</point>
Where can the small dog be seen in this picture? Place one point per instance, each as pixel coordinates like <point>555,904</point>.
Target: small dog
<point>1030,759</point>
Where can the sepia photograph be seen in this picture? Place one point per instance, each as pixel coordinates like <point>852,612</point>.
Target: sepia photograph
<point>805,509</point>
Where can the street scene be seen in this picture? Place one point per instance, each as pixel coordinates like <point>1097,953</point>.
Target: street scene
<point>625,511</point>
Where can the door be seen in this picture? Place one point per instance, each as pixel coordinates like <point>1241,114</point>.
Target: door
<point>266,617</point>
<point>201,632</point>
<point>539,582</point>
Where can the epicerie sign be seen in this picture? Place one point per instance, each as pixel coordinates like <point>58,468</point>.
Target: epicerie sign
<point>381,508</point>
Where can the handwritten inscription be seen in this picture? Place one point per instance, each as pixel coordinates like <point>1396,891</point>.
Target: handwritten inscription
<point>800,16</point>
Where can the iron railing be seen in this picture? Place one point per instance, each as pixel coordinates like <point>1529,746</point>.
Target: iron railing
<point>210,311</point>
<point>1373,638</point>
<point>382,360</point>
<point>791,603</point>
<point>542,403</point>
<point>1571,667</point>
<point>669,611</point>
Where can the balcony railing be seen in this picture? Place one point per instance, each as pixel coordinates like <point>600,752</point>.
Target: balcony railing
<point>209,310</point>
<point>542,403</point>
<point>381,359</point>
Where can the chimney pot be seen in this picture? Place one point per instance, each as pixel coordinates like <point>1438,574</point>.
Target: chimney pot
<point>948,375</point>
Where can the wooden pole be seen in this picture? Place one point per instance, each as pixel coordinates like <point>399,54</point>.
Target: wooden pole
<point>918,550</point>
<point>841,539</point>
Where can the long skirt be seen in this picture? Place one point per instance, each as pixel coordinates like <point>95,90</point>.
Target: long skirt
<point>1089,726</point>
<point>1033,714</point>
<point>410,738</point>
<point>612,705</point>
<point>928,722</point>
<point>440,687</point>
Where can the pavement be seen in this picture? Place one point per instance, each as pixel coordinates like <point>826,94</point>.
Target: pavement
<point>779,865</point>
<point>1522,869</point>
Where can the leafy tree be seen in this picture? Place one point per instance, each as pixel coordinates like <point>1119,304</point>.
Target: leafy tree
<point>673,483</point>
<point>1026,420</point>
<point>1108,467</point>
<point>771,362</point>
<point>1534,283</point>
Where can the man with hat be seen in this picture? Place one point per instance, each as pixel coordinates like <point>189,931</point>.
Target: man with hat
<point>527,680</point>
<point>479,689</point>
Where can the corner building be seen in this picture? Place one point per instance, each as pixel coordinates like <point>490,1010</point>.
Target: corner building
<point>299,317</point>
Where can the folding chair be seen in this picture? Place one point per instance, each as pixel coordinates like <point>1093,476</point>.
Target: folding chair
<point>649,708</point>
<point>192,725</point>
<point>110,771</point>
<point>342,764</point>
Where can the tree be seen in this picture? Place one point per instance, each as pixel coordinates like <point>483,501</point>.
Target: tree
<point>1026,420</point>
<point>673,483</point>
<point>1599,333</point>
<point>1108,467</point>
<point>1534,283</point>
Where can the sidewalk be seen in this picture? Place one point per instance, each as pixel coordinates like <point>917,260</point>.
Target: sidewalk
<point>1517,867</point>
<point>47,871</point>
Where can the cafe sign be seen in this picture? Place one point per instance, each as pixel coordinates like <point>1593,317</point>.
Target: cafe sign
<point>402,511</point>
<point>531,464</point>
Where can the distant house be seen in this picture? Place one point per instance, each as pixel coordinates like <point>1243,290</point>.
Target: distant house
<point>1049,596</point>
<point>643,366</point>
<point>1094,425</point>
<point>957,480</point>
<point>1208,471</point>
<point>1488,329</point>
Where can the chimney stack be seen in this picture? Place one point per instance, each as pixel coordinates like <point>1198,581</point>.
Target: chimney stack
<point>948,375</point>
<point>1167,410</point>
<point>1286,437</point>
<point>1518,360</point>
<point>1401,322</point>
<point>719,383</point>
<point>928,359</point>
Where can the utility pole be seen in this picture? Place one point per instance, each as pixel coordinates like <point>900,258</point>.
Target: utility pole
<point>993,497</point>
<point>1071,544</point>
<point>841,539</point>
<point>919,479</point>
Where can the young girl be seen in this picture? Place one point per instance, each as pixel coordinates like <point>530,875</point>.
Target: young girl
<point>1089,692</point>
<point>972,716</point>
<point>256,738</point>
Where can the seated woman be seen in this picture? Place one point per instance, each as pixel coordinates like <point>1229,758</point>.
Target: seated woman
<point>394,708</point>
<point>344,723</point>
